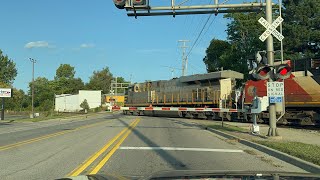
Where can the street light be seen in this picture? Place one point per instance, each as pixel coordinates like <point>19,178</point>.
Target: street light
<point>32,101</point>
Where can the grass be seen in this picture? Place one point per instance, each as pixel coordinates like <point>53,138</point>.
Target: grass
<point>303,151</point>
<point>307,152</point>
<point>65,116</point>
<point>226,127</point>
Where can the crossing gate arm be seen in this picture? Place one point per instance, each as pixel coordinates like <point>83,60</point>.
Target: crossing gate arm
<point>175,109</point>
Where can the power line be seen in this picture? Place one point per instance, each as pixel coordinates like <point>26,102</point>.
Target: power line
<point>194,43</point>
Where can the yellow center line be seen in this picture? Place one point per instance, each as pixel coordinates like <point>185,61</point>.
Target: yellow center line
<point>113,150</point>
<point>93,157</point>
<point>9,146</point>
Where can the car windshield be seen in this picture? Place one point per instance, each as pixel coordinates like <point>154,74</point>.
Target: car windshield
<point>148,89</point>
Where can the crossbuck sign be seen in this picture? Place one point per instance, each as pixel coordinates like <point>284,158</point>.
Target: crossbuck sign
<point>271,29</point>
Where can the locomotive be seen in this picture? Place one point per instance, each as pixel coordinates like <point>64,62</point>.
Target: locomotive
<point>213,89</point>
<point>301,93</point>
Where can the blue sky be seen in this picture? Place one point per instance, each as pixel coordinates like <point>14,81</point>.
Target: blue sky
<point>93,34</point>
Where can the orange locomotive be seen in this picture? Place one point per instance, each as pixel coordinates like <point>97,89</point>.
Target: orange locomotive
<point>302,93</point>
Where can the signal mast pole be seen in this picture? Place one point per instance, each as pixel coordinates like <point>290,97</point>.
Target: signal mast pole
<point>270,55</point>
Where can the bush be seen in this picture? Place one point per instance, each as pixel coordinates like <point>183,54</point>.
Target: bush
<point>84,105</point>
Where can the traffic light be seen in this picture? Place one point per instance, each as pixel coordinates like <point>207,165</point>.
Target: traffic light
<point>119,3</point>
<point>283,71</point>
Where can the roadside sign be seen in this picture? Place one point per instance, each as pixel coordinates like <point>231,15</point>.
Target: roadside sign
<point>275,99</point>
<point>5,92</point>
<point>275,89</point>
<point>271,29</point>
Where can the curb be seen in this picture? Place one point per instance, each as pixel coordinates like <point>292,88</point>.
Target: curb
<point>305,165</point>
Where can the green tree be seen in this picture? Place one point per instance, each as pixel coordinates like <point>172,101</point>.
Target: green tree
<point>8,71</point>
<point>84,105</point>
<point>65,82</point>
<point>65,71</point>
<point>17,102</point>
<point>100,80</point>
<point>43,93</point>
<point>214,54</point>
<point>301,28</point>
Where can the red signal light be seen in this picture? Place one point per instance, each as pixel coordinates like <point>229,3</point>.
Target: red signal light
<point>283,71</point>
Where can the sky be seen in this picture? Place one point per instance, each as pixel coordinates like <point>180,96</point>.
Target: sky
<point>91,35</point>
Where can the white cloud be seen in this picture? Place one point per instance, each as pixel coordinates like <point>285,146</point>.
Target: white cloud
<point>84,45</point>
<point>37,44</point>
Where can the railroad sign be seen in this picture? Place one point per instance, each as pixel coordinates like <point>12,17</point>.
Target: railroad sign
<point>275,99</point>
<point>275,89</point>
<point>271,29</point>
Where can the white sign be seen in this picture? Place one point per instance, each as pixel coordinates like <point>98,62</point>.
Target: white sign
<point>275,89</point>
<point>5,92</point>
<point>271,29</point>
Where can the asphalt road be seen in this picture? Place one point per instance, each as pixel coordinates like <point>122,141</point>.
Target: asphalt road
<point>121,145</point>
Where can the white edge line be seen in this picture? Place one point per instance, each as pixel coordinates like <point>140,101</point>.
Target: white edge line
<point>181,149</point>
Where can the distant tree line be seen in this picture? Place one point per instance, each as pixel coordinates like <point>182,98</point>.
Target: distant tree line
<point>45,90</point>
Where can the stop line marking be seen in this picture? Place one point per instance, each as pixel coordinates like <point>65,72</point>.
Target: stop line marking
<point>182,149</point>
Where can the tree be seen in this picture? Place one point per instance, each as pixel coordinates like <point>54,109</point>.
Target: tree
<point>18,101</point>
<point>100,80</point>
<point>67,86</point>
<point>8,71</point>
<point>243,34</point>
<point>84,105</point>
<point>43,93</point>
<point>65,82</point>
<point>214,52</point>
<point>301,28</point>
<point>65,71</point>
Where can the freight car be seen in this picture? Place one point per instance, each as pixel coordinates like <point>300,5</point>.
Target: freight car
<point>214,89</point>
<point>302,93</point>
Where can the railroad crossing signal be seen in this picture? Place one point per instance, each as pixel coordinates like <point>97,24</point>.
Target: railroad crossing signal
<point>271,29</point>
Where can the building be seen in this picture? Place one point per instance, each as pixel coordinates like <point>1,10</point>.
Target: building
<point>71,103</point>
<point>114,99</point>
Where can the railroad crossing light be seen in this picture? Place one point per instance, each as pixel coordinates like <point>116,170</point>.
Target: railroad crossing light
<point>283,71</point>
<point>139,2</point>
<point>119,3</point>
<point>262,72</point>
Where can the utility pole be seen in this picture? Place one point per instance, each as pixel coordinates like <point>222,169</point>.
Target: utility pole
<point>32,101</point>
<point>270,55</point>
<point>116,86</point>
<point>2,108</point>
<point>184,57</point>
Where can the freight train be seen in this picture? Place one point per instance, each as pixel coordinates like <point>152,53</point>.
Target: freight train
<point>218,90</point>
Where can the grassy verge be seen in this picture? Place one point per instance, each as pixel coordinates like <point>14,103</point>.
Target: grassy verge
<point>303,151</point>
<point>226,127</point>
<point>307,152</point>
<point>64,116</point>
